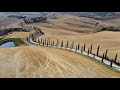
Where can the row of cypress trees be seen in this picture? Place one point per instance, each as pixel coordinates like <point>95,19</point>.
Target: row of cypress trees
<point>48,42</point>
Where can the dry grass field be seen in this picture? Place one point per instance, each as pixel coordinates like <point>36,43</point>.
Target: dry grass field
<point>83,30</point>
<point>46,62</point>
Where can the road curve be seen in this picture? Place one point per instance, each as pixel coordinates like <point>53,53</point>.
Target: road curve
<point>105,61</point>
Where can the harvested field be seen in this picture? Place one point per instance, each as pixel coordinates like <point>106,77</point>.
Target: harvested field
<point>44,62</point>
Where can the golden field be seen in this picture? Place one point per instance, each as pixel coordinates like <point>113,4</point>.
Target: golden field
<point>46,62</point>
<point>83,34</point>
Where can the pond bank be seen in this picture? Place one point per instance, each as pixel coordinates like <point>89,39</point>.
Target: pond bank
<point>16,41</point>
<point>7,44</point>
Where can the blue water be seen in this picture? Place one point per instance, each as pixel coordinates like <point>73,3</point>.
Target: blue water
<point>7,44</point>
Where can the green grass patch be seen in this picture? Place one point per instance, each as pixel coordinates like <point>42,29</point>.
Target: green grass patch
<point>17,41</point>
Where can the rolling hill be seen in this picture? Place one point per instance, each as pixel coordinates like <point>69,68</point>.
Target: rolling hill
<point>46,62</point>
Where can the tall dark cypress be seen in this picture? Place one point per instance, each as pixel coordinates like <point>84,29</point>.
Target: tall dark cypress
<point>115,58</point>
<point>78,46</point>
<point>27,38</point>
<point>41,41</point>
<point>106,53</point>
<point>32,37</point>
<point>111,63</point>
<point>88,51</point>
<point>62,43</point>
<point>91,49</point>
<point>84,47</point>
<point>35,39</point>
<point>98,50</point>
<point>67,44</point>
<point>102,57</point>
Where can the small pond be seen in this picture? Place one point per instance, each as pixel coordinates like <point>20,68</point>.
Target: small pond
<point>7,44</point>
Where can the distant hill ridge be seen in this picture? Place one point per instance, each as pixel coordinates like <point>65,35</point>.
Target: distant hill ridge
<point>54,15</point>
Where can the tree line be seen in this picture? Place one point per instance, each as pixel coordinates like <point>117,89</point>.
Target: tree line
<point>67,45</point>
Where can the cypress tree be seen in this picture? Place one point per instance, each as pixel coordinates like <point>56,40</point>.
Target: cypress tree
<point>98,49</point>
<point>67,44</point>
<point>84,47</point>
<point>88,51</point>
<point>106,53</point>
<point>27,38</point>
<point>62,43</point>
<point>34,39</point>
<point>41,41</point>
<point>111,61</point>
<point>78,46</point>
<point>91,49</point>
<point>102,57</point>
<point>47,43</point>
<point>115,58</point>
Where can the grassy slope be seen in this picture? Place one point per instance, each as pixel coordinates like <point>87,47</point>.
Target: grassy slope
<point>38,61</point>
